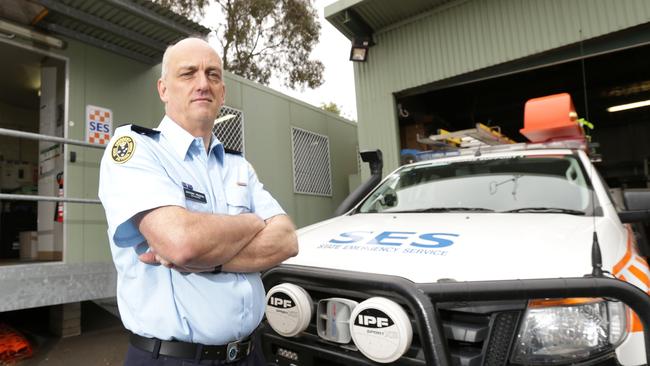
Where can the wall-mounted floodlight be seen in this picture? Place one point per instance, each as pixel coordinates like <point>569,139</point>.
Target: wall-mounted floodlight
<point>359,51</point>
<point>12,30</point>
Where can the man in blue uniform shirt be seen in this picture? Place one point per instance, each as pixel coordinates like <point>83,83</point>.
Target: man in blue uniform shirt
<point>190,225</point>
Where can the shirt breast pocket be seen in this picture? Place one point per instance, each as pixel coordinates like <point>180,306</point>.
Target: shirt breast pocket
<point>238,200</point>
<point>196,206</point>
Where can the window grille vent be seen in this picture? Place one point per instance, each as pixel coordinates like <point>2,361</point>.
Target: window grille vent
<point>311,163</point>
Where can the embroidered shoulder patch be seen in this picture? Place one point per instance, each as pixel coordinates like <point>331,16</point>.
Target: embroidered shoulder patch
<point>122,149</point>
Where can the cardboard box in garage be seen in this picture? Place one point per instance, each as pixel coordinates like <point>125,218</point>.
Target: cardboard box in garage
<point>28,245</point>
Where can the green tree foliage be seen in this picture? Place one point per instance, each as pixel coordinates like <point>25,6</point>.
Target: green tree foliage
<point>331,107</point>
<point>261,39</point>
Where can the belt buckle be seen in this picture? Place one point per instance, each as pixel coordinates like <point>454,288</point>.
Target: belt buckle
<point>232,351</point>
<point>239,349</point>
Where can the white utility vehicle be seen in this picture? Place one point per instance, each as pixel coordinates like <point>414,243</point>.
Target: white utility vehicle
<point>511,254</point>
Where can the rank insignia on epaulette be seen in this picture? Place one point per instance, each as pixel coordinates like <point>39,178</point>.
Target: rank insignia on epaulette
<point>231,151</point>
<point>122,149</point>
<point>144,131</point>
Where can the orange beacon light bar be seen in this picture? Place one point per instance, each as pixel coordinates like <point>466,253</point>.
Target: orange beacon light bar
<point>551,118</point>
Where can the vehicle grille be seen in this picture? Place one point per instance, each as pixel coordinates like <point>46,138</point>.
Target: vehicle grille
<point>479,338</point>
<point>504,330</point>
<point>477,333</point>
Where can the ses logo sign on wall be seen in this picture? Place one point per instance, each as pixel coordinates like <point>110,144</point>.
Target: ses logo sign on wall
<point>409,242</point>
<point>99,125</point>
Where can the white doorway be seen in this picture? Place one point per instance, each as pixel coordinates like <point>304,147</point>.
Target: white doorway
<point>32,99</point>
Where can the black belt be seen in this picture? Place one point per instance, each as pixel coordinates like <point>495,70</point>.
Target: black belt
<point>231,352</point>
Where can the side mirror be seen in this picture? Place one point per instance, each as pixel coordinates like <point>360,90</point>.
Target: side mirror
<point>389,199</point>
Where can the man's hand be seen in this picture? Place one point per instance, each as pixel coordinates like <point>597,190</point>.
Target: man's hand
<point>152,258</point>
<point>270,247</point>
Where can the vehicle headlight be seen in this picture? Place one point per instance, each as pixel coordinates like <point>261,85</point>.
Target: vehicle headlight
<point>570,330</point>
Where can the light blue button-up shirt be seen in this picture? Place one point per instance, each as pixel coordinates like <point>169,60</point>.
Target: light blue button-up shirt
<point>172,168</point>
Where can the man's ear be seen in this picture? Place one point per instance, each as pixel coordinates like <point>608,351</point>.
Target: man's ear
<point>162,90</point>
<point>223,95</point>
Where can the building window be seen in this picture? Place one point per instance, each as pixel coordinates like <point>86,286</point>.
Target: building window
<point>229,128</point>
<point>311,163</point>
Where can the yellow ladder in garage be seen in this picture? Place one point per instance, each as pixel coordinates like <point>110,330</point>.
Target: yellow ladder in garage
<point>480,135</point>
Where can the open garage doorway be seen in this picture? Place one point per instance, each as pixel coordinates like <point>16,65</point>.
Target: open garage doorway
<point>610,79</point>
<point>32,99</point>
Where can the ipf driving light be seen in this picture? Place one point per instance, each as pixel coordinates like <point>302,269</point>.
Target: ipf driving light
<point>381,329</point>
<point>288,309</point>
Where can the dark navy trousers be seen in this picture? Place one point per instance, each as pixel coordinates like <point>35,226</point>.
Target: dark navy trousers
<point>138,357</point>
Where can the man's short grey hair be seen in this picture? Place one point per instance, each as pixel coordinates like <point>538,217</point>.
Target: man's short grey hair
<point>165,59</point>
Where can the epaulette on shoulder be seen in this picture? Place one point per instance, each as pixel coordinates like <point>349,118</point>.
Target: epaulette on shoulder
<point>231,151</point>
<point>144,130</point>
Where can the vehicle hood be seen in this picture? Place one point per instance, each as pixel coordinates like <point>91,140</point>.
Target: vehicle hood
<point>460,246</point>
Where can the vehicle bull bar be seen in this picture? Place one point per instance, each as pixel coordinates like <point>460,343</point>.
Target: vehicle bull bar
<point>421,298</point>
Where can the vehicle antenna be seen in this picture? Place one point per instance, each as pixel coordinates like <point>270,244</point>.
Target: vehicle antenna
<point>596,256</point>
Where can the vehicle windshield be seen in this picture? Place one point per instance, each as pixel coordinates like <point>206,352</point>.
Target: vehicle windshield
<point>524,184</point>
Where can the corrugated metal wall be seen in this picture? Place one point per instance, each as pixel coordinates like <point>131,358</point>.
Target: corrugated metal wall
<point>469,35</point>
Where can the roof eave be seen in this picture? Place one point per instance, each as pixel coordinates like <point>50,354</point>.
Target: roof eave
<point>145,41</point>
<point>347,21</point>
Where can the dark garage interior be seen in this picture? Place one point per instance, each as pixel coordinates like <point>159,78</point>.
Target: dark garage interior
<point>610,78</point>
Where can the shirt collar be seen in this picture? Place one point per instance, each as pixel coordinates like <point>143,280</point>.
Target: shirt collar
<point>181,140</point>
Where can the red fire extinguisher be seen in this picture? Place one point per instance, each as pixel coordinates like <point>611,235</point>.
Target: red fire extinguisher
<point>58,213</point>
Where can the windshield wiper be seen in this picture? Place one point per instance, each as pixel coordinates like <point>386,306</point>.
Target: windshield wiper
<point>547,210</point>
<point>445,209</point>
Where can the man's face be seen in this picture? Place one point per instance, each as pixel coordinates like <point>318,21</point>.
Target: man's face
<point>192,89</point>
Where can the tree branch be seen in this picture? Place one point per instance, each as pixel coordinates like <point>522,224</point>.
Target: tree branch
<point>264,37</point>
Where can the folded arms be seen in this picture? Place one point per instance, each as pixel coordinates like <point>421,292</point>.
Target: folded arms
<point>198,242</point>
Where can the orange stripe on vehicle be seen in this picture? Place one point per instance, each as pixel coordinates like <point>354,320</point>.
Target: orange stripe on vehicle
<point>635,323</point>
<point>643,263</point>
<point>640,275</point>
<point>618,267</point>
<point>543,303</point>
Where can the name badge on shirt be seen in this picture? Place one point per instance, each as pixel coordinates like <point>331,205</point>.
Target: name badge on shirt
<point>193,195</point>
